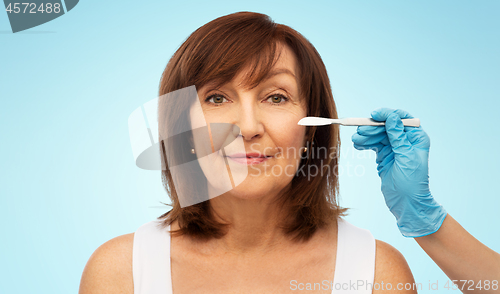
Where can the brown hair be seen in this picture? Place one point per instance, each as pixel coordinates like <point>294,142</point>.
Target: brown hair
<point>219,50</point>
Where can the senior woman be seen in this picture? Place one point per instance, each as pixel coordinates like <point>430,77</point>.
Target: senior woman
<point>275,228</point>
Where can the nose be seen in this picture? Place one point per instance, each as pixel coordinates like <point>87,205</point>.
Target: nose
<point>248,119</point>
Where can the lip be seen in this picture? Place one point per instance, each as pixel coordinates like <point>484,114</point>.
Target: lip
<point>246,155</point>
<point>249,160</point>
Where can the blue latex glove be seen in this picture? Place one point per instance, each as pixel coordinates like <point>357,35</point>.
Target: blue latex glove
<point>402,158</point>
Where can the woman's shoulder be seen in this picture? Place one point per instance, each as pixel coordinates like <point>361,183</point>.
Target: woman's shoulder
<point>109,268</point>
<point>391,268</point>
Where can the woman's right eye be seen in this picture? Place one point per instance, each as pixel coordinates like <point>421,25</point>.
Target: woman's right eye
<point>216,100</point>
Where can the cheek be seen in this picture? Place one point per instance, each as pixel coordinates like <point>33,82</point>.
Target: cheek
<point>287,134</point>
<point>294,136</point>
<point>197,117</point>
<point>286,123</point>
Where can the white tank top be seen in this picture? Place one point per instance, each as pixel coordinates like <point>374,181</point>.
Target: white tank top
<point>354,267</point>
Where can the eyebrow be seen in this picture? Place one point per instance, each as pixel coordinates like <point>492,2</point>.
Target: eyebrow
<point>279,71</point>
<point>271,74</point>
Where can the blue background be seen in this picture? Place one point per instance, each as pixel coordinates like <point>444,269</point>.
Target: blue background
<point>68,182</point>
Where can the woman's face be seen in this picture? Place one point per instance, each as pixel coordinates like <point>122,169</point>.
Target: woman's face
<point>267,117</point>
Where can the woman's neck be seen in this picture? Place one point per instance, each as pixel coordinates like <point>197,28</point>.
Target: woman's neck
<point>254,224</point>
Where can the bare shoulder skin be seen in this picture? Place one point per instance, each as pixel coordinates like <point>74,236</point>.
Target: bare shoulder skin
<point>391,271</point>
<point>109,269</point>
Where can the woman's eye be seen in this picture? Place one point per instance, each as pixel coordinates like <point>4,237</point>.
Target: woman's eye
<point>277,99</point>
<point>216,99</point>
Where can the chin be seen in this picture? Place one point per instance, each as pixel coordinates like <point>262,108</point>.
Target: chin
<point>252,190</point>
<point>248,193</point>
<point>245,192</point>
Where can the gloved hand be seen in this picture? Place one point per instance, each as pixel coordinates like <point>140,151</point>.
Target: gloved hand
<point>402,158</point>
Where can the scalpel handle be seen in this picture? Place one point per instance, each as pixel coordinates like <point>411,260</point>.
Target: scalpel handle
<point>408,122</point>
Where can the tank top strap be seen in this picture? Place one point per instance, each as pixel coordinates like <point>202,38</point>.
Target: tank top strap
<point>151,259</point>
<point>355,264</point>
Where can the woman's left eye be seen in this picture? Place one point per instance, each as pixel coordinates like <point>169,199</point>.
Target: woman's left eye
<point>277,99</point>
